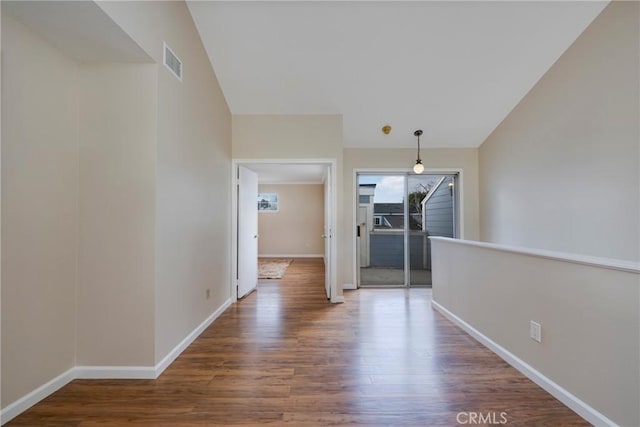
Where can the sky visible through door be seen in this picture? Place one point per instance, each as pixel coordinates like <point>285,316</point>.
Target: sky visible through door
<point>390,188</point>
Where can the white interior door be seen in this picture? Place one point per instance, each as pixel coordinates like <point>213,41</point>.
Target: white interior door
<point>247,231</point>
<point>327,231</point>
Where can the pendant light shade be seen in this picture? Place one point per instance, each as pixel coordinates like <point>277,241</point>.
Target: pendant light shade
<point>418,167</point>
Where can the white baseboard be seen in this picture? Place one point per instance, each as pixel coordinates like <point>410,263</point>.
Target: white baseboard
<point>578,406</point>
<point>115,372</point>
<point>27,401</point>
<point>173,354</point>
<point>106,372</point>
<point>290,256</point>
<point>349,286</point>
<point>338,299</point>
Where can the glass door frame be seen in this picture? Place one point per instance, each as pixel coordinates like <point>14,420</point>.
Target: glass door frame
<point>458,212</point>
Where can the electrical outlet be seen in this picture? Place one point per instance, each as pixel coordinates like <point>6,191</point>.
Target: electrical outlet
<point>535,331</point>
<point>208,293</point>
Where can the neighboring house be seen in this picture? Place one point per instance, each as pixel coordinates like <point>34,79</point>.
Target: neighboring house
<point>366,193</point>
<point>390,216</point>
<point>438,208</point>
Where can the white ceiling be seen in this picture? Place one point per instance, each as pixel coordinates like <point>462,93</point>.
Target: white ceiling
<point>454,69</point>
<point>273,173</point>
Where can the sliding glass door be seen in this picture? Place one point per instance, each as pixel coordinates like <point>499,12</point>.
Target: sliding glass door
<point>396,215</point>
<point>380,219</point>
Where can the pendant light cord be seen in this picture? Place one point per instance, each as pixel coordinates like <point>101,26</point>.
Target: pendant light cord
<point>417,134</point>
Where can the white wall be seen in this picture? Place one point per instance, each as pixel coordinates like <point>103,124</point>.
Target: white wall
<point>465,159</point>
<point>117,132</point>
<point>562,171</point>
<point>39,210</point>
<point>297,227</point>
<point>193,172</point>
<point>590,319</point>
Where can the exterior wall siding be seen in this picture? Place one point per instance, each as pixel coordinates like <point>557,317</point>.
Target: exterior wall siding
<point>439,211</point>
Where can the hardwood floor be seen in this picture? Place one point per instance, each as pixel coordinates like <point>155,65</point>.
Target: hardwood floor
<point>284,355</point>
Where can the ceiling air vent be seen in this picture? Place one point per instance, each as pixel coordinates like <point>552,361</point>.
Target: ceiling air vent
<point>172,62</point>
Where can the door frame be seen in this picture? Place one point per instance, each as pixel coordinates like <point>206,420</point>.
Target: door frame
<point>332,163</point>
<point>458,211</point>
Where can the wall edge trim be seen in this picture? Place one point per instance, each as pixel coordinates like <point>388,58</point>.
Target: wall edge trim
<point>573,402</point>
<point>115,372</point>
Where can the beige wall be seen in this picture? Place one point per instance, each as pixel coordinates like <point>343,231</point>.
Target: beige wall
<point>465,159</point>
<point>39,211</point>
<point>287,137</point>
<point>562,171</point>
<point>116,193</point>
<point>590,318</point>
<point>297,227</point>
<point>117,132</point>
<point>193,172</point>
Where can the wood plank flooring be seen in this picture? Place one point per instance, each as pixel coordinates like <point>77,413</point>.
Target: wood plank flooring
<point>285,356</point>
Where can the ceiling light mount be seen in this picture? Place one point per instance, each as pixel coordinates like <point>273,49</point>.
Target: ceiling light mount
<point>386,129</point>
<point>418,167</point>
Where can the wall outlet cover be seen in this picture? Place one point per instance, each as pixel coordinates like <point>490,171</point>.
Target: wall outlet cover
<point>535,331</point>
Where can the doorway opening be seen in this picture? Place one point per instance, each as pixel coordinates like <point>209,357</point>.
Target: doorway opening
<point>396,214</point>
<point>288,188</point>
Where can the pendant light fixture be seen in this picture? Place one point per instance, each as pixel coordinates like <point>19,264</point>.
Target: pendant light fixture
<point>418,167</point>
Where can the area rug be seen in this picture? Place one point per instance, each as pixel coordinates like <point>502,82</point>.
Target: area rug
<point>272,268</point>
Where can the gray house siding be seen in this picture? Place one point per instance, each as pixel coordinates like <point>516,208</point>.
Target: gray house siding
<point>439,211</point>
<point>439,214</point>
